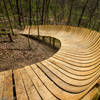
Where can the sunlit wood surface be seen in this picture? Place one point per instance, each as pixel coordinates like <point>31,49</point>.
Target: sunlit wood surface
<point>68,75</point>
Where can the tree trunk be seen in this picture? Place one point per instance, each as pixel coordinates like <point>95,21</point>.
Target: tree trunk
<point>21,13</point>
<point>37,16</point>
<point>43,9</point>
<point>47,11</point>
<point>83,10</point>
<point>18,12</point>
<point>92,13</point>
<point>30,22</point>
<point>11,7</point>
<point>9,21</point>
<point>55,12</point>
<point>70,13</point>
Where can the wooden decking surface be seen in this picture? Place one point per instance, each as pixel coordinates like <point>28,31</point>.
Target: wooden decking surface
<point>68,75</point>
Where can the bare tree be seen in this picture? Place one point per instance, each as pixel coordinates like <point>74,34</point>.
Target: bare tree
<point>70,12</point>
<point>30,21</point>
<point>43,12</point>
<point>37,16</point>
<point>92,11</point>
<point>8,20</point>
<point>11,7</point>
<point>47,11</point>
<point>82,13</point>
<point>21,13</point>
<point>18,12</point>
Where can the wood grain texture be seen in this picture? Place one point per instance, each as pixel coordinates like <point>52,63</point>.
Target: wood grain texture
<point>69,74</point>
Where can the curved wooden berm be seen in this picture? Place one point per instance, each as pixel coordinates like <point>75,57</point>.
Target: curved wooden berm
<point>68,75</point>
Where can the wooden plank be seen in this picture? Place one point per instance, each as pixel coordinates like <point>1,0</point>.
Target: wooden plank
<point>90,95</point>
<point>55,90</point>
<point>1,84</point>
<point>77,84</point>
<point>78,56</point>
<point>67,77</point>
<point>67,71</point>
<point>81,67</point>
<point>78,63</point>
<point>43,91</point>
<point>63,82</point>
<point>79,43</point>
<point>20,89</point>
<point>74,69</point>
<point>64,77</point>
<point>31,90</point>
<point>86,60</point>
<point>8,86</point>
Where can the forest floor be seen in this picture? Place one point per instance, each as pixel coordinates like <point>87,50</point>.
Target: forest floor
<point>17,54</point>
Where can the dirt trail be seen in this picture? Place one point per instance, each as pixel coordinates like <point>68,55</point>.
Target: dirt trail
<point>17,54</point>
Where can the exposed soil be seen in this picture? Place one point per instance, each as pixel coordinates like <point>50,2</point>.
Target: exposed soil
<point>17,54</point>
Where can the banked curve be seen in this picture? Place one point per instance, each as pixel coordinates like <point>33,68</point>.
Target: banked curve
<point>69,74</point>
<point>61,70</point>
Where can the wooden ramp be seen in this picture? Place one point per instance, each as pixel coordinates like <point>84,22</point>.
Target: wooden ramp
<point>69,74</point>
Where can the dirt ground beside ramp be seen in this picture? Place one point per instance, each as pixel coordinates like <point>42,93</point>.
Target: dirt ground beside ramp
<point>17,54</point>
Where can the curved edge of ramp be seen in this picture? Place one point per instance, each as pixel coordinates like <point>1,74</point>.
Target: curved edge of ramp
<point>69,74</point>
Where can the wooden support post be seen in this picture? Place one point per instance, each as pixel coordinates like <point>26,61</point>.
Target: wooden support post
<point>53,42</point>
<point>50,40</point>
<point>38,32</point>
<point>43,38</point>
